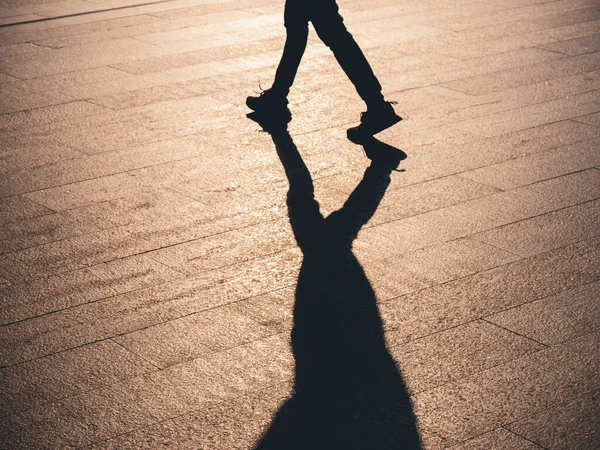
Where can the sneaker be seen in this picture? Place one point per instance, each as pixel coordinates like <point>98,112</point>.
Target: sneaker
<point>267,102</point>
<point>373,121</point>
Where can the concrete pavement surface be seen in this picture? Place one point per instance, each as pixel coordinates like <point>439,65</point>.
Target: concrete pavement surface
<point>154,267</point>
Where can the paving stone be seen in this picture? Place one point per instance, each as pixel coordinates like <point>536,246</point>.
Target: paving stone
<point>587,44</point>
<point>51,62</point>
<point>555,110</point>
<point>592,119</point>
<point>426,311</point>
<point>83,286</point>
<point>19,208</point>
<point>70,254</point>
<point>458,352</point>
<point>509,392</point>
<point>230,424</point>
<point>193,336</point>
<point>29,157</point>
<point>553,89</point>
<point>66,374</point>
<point>78,194</point>
<point>546,232</point>
<point>554,319</point>
<point>499,438</point>
<point>145,307</point>
<point>35,117</point>
<point>41,230</point>
<point>474,216</point>
<point>274,309</point>
<point>224,249</point>
<point>511,78</point>
<point>565,426</point>
<point>70,80</point>
<point>539,166</point>
<point>567,17</point>
<point>533,38</point>
<point>17,49</point>
<point>440,263</point>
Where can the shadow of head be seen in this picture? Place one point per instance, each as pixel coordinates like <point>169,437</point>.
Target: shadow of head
<point>348,390</point>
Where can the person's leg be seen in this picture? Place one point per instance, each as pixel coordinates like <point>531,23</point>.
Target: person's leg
<point>330,27</point>
<point>380,114</point>
<point>296,24</point>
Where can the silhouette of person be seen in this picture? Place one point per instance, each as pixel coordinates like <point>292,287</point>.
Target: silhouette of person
<point>329,24</point>
<point>348,392</point>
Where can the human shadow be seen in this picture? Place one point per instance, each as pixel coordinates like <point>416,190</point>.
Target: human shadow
<point>348,392</point>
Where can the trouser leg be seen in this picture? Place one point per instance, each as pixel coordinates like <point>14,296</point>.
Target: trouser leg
<point>332,31</point>
<point>296,25</point>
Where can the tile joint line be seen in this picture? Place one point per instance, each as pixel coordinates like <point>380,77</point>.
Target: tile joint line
<point>85,13</point>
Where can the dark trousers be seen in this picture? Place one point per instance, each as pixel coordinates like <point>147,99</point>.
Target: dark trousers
<point>330,28</point>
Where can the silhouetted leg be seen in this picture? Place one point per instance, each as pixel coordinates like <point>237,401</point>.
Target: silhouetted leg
<point>296,25</point>
<point>332,31</point>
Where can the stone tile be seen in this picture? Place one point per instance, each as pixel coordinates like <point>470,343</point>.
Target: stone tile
<point>511,78</point>
<point>15,98</point>
<point>144,97</point>
<point>32,118</point>
<point>101,413</point>
<point>461,220</point>
<point>70,254</point>
<point>567,17</point>
<point>506,393</point>
<point>530,39</point>
<point>223,249</point>
<point>592,119</point>
<point>145,307</point>
<point>457,75</point>
<point>19,208</point>
<point>429,310</point>
<point>75,195</point>
<point>553,89</point>
<point>105,168</point>
<point>19,18</point>
<point>530,116</point>
<point>42,230</point>
<point>233,424</point>
<point>70,80</point>
<point>193,336</point>
<point>30,157</point>
<point>68,373</point>
<point>194,53</point>
<point>556,318</point>
<point>458,353</point>
<point>86,24</point>
<point>587,44</point>
<point>7,78</point>
<point>428,196</point>
<point>82,286</point>
<point>500,439</point>
<point>546,232</point>
<point>17,49</point>
<point>565,426</point>
<point>273,309</point>
<point>243,369</point>
<point>442,263</point>
<point>51,62</point>
<point>539,166</point>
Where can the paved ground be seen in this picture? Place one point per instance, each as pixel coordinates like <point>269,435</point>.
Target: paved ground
<point>148,264</point>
